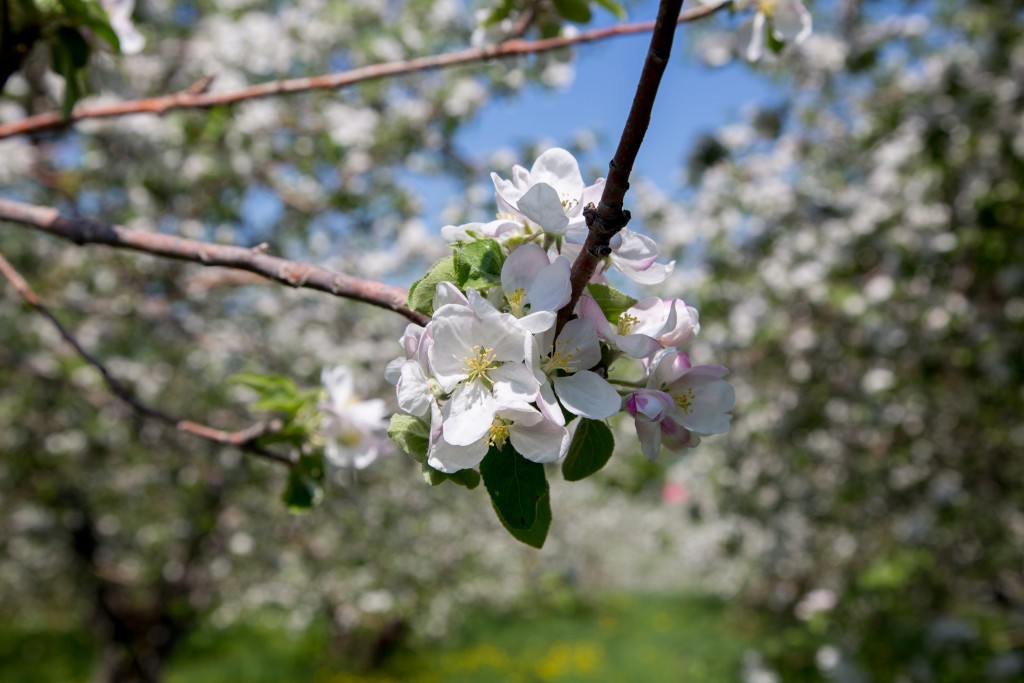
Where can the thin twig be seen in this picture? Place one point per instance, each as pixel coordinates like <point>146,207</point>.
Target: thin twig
<point>255,260</point>
<point>244,439</point>
<point>608,218</point>
<point>202,100</point>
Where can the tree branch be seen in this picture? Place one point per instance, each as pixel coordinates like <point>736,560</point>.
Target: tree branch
<point>189,99</point>
<point>245,439</point>
<point>254,260</point>
<point>608,218</point>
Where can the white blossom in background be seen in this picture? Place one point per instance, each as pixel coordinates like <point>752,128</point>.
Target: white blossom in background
<point>354,430</point>
<point>788,21</point>
<point>120,13</point>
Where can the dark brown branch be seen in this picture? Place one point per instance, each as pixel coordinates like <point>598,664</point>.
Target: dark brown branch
<point>254,260</point>
<point>608,218</point>
<point>202,100</point>
<point>244,439</point>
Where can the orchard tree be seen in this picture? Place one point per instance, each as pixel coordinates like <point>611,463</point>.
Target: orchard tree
<point>863,280</point>
<point>231,142</point>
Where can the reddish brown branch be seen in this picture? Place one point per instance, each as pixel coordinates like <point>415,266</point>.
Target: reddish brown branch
<point>189,99</point>
<point>608,218</point>
<point>255,260</point>
<point>244,439</point>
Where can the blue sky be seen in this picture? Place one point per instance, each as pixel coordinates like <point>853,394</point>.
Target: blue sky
<point>692,99</point>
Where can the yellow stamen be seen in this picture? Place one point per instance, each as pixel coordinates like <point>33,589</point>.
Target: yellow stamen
<point>685,400</point>
<point>516,301</point>
<point>477,364</point>
<point>560,359</point>
<point>497,435</point>
<point>626,323</point>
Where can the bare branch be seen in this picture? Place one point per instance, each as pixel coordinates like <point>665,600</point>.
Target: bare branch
<point>255,260</point>
<point>244,439</point>
<point>191,99</point>
<point>608,218</point>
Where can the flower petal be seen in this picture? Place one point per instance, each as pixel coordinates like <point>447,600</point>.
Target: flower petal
<point>468,414</point>
<point>450,458</point>
<point>447,293</point>
<point>551,288</point>
<point>650,437</point>
<point>542,441</point>
<point>542,205</point>
<point>587,394</point>
<point>522,266</point>
<point>559,169</point>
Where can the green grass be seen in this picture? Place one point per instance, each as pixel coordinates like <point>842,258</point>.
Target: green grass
<point>618,638</point>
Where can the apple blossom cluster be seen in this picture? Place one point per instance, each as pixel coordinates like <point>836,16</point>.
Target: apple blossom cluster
<point>492,372</point>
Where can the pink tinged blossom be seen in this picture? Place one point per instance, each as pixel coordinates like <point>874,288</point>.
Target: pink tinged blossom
<point>702,398</point>
<point>623,336</point>
<point>353,430</point>
<point>634,255</point>
<point>411,375</point>
<point>551,194</point>
<point>534,287</point>
<point>564,373</point>
<point>652,415</point>
<point>681,328</point>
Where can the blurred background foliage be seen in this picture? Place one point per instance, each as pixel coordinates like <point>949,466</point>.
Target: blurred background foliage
<point>854,250</point>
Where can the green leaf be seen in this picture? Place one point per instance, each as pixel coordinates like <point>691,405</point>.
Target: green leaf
<point>612,302</point>
<point>591,447</point>
<point>574,10</point>
<point>774,44</point>
<point>101,27</point>
<point>538,533</point>
<point>277,393</point>
<point>421,294</point>
<point>304,488</point>
<point>411,434</point>
<point>75,45</point>
<point>615,8</point>
<point>264,383</point>
<point>479,264</point>
<point>519,493</point>
<point>468,478</point>
<point>500,12</point>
